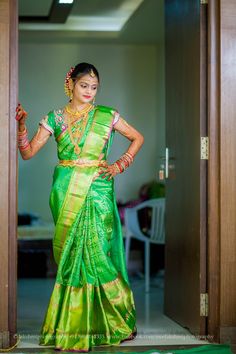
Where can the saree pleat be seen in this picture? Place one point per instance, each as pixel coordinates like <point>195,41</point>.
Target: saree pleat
<point>91,302</point>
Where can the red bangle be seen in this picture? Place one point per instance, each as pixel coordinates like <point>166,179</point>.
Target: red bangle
<point>116,167</point>
<point>119,166</point>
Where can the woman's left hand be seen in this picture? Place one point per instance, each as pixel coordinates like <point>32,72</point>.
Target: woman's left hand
<point>108,171</point>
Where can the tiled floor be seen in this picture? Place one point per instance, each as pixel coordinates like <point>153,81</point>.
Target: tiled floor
<point>154,328</point>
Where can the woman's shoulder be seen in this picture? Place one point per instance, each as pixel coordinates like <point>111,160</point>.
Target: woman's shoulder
<point>55,111</point>
<point>52,119</point>
<point>106,108</point>
<point>112,110</point>
<point>56,115</point>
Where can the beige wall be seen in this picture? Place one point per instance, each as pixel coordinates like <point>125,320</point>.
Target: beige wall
<point>132,80</point>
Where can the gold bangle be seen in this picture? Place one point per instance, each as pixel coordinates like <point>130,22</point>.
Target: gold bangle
<point>116,167</point>
<point>131,157</point>
<point>22,132</point>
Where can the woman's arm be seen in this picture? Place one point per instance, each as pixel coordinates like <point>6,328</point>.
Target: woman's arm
<point>131,134</point>
<point>27,148</point>
<point>126,159</point>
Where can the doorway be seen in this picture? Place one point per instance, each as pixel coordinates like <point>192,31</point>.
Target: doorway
<point>147,71</point>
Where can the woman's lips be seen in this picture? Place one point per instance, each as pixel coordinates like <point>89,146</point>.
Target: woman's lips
<point>87,96</point>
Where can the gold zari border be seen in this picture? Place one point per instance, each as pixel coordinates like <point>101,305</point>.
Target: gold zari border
<point>88,285</point>
<point>82,163</point>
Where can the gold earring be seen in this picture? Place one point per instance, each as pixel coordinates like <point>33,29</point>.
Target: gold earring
<point>70,88</point>
<point>67,82</point>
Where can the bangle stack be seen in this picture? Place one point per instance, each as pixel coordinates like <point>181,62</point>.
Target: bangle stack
<point>124,162</point>
<point>23,141</point>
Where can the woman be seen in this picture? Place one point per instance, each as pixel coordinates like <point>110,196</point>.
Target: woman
<point>91,303</point>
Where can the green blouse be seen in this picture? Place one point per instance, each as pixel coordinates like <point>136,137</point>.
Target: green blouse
<point>56,124</point>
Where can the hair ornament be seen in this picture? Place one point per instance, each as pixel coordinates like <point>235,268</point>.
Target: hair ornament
<point>92,73</point>
<point>67,88</point>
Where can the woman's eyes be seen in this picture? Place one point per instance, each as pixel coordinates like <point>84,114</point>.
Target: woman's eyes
<point>85,86</point>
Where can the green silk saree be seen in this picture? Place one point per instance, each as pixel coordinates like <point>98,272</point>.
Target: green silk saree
<point>91,303</point>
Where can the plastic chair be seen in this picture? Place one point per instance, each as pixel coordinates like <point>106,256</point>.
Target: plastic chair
<point>156,234</point>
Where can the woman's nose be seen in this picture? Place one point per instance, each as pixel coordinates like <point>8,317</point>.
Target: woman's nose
<point>88,90</point>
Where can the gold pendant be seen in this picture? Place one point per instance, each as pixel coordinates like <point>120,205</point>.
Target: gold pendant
<point>77,149</point>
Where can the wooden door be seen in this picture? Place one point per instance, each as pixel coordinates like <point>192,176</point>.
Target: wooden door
<point>186,123</point>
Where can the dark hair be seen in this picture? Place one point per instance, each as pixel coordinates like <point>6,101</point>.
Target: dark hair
<point>82,69</point>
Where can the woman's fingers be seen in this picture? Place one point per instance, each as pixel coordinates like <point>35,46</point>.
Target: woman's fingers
<point>20,112</point>
<point>107,172</point>
<point>21,115</point>
<point>101,156</point>
<point>19,108</point>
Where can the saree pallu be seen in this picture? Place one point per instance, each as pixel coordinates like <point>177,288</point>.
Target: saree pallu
<point>91,303</point>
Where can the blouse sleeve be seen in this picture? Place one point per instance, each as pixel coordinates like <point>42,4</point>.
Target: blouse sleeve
<point>116,118</point>
<point>48,122</point>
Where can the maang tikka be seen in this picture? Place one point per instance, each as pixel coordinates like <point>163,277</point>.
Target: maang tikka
<point>92,73</point>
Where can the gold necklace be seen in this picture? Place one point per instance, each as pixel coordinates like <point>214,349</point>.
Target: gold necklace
<point>83,114</point>
<point>80,113</point>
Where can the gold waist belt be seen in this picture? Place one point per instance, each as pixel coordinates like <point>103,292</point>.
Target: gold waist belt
<point>82,163</point>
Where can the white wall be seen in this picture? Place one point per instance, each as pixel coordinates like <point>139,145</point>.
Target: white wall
<point>132,80</point>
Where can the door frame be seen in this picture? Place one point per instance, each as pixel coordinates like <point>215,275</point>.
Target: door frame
<point>13,171</point>
<point>214,95</point>
<point>8,183</point>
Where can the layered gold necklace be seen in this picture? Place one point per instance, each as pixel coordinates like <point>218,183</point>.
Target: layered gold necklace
<point>81,115</point>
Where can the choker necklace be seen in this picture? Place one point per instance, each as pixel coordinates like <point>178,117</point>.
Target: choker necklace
<point>76,136</point>
<point>80,113</point>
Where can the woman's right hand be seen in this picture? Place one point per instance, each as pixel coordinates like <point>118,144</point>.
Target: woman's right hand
<point>21,114</point>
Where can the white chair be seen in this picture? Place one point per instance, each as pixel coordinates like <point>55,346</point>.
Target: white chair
<point>156,234</point>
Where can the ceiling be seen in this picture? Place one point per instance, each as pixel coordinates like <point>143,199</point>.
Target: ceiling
<point>137,21</point>
<point>34,8</point>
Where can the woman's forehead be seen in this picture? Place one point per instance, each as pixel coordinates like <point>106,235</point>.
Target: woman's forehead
<point>88,79</point>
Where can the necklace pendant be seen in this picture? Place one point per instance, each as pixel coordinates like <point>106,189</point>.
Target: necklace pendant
<point>77,149</point>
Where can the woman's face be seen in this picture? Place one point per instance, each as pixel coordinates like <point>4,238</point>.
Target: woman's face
<point>85,89</point>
